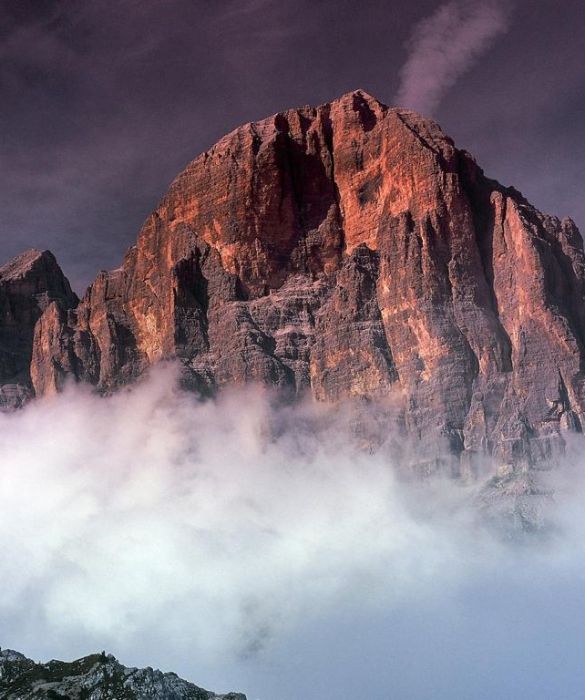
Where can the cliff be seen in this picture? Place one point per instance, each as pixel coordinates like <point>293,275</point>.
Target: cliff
<point>347,251</point>
<point>28,285</point>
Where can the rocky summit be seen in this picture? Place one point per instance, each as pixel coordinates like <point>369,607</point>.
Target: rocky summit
<point>28,285</point>
<point>95,677</point>
<point>343,251</point>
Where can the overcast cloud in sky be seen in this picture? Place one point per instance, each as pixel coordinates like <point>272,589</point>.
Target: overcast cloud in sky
<point>103,103</point>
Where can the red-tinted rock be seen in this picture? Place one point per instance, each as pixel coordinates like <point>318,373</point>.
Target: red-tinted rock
<point>349,250</point>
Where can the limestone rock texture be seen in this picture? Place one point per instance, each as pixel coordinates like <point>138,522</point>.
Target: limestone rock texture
<point>347,251</point>
<point>98,676</point>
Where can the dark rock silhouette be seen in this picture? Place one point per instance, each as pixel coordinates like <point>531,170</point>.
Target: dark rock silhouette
<point>28,285</point>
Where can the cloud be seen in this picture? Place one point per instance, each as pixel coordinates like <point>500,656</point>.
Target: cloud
<point>443,47</point>
<point>251,545</point>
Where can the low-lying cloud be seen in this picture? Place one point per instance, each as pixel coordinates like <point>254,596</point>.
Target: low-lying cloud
<point>444,46</point>
<point>252,545</point>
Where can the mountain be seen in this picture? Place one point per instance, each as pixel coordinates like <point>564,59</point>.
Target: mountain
<point>28,285</point>
<point>346,251</point>
<point>95,677</point>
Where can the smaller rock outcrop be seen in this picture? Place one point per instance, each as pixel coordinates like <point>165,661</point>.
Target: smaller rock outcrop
<point>98,676</point>
<point>29,283</point>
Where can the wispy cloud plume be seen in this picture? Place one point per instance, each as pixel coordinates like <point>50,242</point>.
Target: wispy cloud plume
<point>443,47</point>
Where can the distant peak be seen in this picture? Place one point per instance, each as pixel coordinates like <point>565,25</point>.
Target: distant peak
<point>23,262</point>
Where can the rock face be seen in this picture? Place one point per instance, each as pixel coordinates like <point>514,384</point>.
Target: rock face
<point>28,285</point>
<point>348,250</point>
<point>99,677</point>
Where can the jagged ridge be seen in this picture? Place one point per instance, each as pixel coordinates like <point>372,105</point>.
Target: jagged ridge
<point>98,676</point>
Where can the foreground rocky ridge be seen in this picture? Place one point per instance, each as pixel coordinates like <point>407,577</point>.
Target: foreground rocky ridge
<point>349,251</point>
<point>98,676</point>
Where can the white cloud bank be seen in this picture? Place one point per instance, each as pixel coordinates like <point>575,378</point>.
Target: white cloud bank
<point>443,47</point>
<point>250,546</point>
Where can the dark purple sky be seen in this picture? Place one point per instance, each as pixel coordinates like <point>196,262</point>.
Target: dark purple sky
<point>103,102</point>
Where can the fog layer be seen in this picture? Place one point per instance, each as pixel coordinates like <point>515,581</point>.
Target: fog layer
<point>253,546</point>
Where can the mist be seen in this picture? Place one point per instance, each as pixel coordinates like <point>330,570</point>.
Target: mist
<point>255,546</point>
<point>444,46</point>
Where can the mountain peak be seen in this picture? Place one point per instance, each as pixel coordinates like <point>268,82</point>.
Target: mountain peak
<point>358,95</point>
<point>349,250</point>
<point>29,283</point>
<point>21,264</point>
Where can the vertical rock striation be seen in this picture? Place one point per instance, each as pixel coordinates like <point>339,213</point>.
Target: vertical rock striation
<point>348,250</point>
